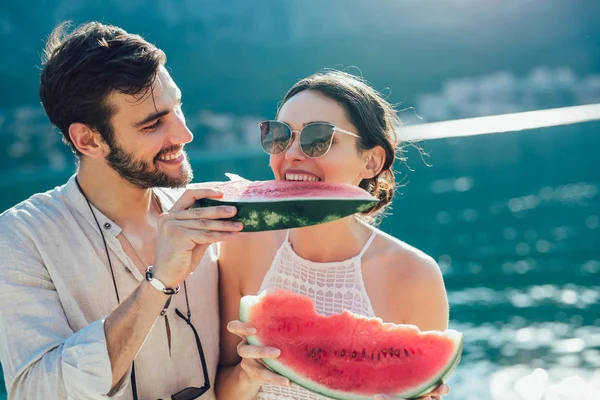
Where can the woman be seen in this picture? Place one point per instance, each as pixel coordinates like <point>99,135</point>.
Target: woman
<point>330,127</point>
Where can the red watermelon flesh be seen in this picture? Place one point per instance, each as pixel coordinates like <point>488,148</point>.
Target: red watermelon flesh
<point>347,356</point>
<point>254,191</point>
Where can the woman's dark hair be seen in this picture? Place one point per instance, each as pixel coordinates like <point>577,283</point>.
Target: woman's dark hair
<point>374,118</point>
<point>83,67</point>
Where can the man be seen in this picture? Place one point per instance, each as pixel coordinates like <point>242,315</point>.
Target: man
<point>89,270</point>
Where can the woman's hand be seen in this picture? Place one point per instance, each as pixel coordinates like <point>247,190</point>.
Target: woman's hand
<point>436,394</point>
<point>252,367</point>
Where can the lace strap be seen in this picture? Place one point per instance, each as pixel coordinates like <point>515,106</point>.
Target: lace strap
<point>366,246</point>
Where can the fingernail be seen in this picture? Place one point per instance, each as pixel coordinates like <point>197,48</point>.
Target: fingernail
<point>251,331</point>
<point>445,389</point>
<point>285,382</point>
<point>274,352</point>
<point>237,224</point>
<point>229,209</point>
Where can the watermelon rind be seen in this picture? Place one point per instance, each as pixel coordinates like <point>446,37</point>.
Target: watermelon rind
<point>246,304</point>
<point>427,387</point>
<point>288,213</point>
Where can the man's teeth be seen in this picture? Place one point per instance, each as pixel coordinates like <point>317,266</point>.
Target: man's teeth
<point>171,156</point>
<point>301,177</point>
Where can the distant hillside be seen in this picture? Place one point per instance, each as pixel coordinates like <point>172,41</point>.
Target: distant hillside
<point>240,56</point>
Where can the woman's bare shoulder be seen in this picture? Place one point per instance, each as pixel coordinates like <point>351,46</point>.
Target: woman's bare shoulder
<point>398,259</point>
<point>410,282</point>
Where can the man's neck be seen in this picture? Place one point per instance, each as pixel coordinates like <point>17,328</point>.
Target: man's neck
<point>115,197</point>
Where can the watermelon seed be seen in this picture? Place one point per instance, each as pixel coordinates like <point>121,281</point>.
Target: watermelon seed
<point>363,353</point>
<point>343,353</point>
<point>391,351</point>
<point>384,351</point>
<point>353,354</point>
<point>378,357</point>
<point>397,353</point>
<point>406,352</point>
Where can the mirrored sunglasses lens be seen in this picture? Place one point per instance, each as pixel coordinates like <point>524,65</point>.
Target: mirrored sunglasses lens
<point>274,137</point>
<point>315,139</point>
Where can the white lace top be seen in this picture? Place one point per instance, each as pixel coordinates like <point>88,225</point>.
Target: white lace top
<point>333,286</point>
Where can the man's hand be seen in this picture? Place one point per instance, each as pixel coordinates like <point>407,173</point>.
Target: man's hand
<point>184,234</point>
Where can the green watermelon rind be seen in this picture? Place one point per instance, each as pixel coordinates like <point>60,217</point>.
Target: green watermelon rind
<point>246,305</point>
<point>290,213</point>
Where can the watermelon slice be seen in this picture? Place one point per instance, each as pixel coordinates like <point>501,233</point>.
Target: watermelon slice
<point>348,356</point>
<point>279,204</point>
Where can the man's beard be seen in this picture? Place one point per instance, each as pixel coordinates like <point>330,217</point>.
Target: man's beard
<point>142,174</point>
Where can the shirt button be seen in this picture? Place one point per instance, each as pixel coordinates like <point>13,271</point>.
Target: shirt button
<point>107,225</point>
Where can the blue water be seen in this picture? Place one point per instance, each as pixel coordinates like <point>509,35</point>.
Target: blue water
<point>514,223</point>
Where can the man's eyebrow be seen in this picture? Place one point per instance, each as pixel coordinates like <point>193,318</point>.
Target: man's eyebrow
<point>151,117</point>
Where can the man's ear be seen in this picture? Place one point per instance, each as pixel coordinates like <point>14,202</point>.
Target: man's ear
<point>87,140</point>
<point>374,161</point>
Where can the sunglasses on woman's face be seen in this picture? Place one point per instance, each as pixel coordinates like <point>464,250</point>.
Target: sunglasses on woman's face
<point>315,138</point>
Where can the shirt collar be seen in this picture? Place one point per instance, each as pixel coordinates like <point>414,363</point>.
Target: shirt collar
<point>78,201</point>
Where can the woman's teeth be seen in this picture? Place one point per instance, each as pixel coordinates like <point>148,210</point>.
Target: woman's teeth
<point>301,177</point>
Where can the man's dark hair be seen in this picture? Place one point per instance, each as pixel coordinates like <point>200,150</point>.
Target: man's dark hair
<point>83,67</point>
